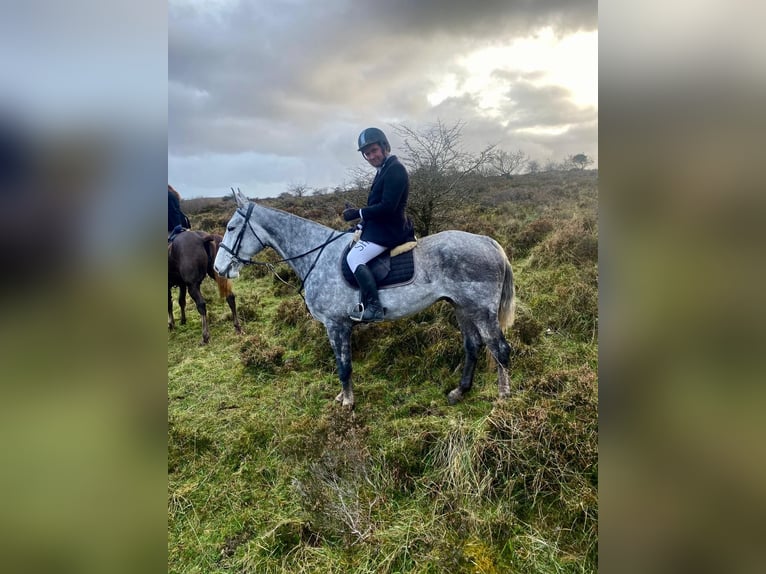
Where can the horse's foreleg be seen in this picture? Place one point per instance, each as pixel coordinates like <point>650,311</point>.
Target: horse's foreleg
<point>182,302</point>
<point>231,300</point>
<point>171,321</point>
<point>340,341</point>
<point>196,294</point>
<point>471,345</point>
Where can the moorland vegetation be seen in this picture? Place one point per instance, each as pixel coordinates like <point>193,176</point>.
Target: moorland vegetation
<point>267,474</point>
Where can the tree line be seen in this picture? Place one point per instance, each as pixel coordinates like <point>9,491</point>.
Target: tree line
<point>439,168</point>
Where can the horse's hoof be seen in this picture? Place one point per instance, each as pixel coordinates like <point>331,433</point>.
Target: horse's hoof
<point>454,396</point>
<point>346,402</point>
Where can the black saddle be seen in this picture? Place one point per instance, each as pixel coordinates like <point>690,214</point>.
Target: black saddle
<point>177,230</point>
<point>388,271</point>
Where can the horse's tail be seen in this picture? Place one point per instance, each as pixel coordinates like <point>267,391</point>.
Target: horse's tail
<point>507,311</point>
<point>224,284</point>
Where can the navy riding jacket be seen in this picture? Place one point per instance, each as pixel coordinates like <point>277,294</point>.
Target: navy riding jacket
<point>384,221</point>
<point>175,215</point>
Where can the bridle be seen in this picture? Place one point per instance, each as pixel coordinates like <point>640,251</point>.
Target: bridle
<point>234,251</point>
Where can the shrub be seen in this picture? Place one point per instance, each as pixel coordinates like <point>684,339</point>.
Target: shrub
<point>257,353</point>
<point>248,307</point>
<point>338,493</point>
<point>210,223</point>
<point>292,312</point>
<point>574,241</point>
<point>530,235</point>
<point>527,327</point>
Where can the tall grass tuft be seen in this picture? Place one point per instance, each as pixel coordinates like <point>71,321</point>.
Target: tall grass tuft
<point>338,490</point>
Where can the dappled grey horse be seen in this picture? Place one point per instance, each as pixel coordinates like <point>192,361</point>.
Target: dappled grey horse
<point>470,271</point>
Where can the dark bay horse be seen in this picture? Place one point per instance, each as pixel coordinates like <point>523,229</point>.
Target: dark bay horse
<point>190,258</point>
<point>470,271</point>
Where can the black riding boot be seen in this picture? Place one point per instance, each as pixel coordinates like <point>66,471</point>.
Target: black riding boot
<point>371,311</point>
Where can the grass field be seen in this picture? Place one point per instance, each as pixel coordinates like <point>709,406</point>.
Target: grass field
<point>267,474</point>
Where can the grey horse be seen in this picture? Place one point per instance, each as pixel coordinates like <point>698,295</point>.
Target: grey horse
<point>470,271</point>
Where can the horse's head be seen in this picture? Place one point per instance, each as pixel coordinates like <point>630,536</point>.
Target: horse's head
<point>240,242</point>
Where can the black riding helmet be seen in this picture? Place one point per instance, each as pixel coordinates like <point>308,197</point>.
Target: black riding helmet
<point>371,136</point>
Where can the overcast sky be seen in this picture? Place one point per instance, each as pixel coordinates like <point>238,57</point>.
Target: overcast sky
<point>271,93</point>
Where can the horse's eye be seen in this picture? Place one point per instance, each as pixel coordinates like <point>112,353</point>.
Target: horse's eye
<point>230,228</point>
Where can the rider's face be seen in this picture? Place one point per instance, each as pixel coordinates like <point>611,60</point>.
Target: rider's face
<point>374,155</point>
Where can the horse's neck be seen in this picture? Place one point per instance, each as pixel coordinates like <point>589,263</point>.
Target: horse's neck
<point>290,236</point>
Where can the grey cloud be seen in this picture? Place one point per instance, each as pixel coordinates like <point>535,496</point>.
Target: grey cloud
<point>543,106</point>
<point>457,17</point>
<point>287,79</point>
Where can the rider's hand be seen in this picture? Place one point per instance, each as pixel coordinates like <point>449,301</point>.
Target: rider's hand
<point>351,214</point>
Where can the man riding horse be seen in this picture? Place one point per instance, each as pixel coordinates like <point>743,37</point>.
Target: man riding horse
<point>383,223</point>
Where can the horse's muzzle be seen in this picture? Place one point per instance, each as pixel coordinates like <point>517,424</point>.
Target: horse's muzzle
<point>231,271</point>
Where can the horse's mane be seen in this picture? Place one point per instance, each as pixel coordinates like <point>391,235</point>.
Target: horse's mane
<point>174,192</point>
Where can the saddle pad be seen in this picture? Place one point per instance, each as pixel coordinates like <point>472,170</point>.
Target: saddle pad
<point>388,271</point>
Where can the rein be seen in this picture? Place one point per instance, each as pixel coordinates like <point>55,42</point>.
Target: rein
<point>234,252</point>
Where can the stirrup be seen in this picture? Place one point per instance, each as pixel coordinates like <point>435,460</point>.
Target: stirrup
<point>357,313</point>
<point>372,316</point>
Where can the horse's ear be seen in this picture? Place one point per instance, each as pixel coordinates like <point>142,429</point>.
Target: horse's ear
<point>239,197</point>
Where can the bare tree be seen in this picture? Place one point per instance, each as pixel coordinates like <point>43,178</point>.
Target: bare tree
<point>580,160</point>
<point>357,187</point>
<point>298,189</point>
<point>533,166</point>
<point>506,163</point>
<point>438,166</point>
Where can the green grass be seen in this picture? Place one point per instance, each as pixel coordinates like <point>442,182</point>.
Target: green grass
<point>267,474</point>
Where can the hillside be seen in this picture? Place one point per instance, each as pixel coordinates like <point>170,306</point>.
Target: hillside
<point>267,474</point>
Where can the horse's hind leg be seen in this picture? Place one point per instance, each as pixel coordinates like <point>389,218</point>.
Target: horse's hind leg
<point>471,344</point>
<point>340,341</point>
<point>171,321</point>
<point>182,302</point>
<point>196,294</point>
<point>232,301</point>
<point>493,336</point>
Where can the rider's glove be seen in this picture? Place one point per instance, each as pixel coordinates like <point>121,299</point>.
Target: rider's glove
<point>351,213</point>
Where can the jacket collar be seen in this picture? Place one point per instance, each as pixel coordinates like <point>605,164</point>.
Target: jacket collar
<point>385,163</point>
